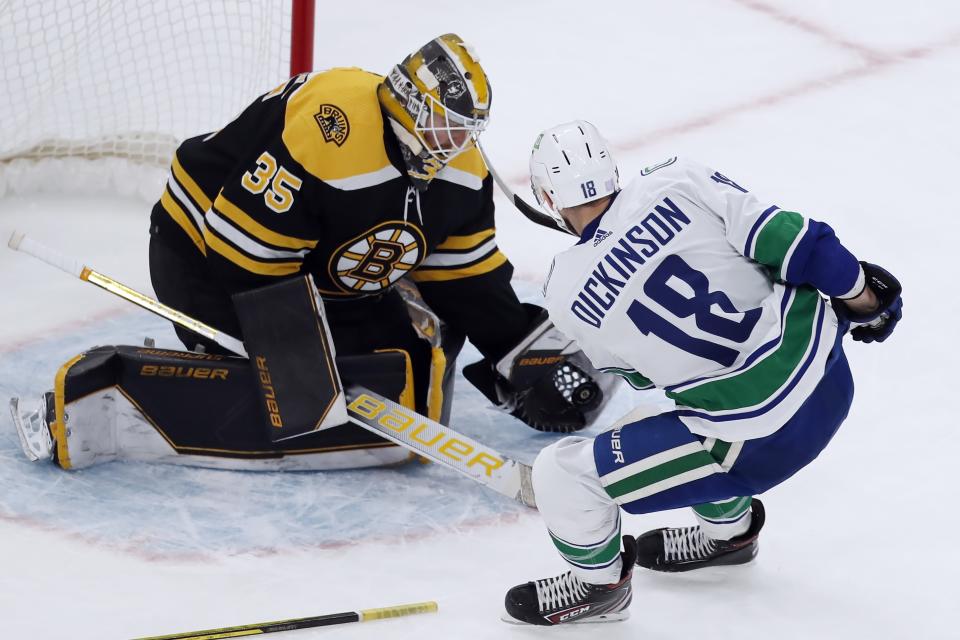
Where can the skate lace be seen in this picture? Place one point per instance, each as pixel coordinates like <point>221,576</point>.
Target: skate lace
<point>686,543</point>
<point>562,590</point>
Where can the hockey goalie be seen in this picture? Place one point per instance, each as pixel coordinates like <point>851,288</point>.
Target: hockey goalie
<point>342,227</point>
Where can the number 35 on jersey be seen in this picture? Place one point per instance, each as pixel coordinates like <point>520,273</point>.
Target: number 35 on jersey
<point>274,181</point>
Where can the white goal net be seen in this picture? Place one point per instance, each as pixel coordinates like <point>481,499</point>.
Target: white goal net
<point>126,80</point>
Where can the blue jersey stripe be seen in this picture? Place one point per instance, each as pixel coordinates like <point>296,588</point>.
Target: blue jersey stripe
<point>759,351</point>
<point>783,394</point>
<point>591,566</point>
<point>756,227</point>
<point>605,541</point>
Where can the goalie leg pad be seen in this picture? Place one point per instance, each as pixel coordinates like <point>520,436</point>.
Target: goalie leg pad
<point>136,403</point>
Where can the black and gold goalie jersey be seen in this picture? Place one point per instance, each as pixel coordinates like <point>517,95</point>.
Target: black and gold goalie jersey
<point>310,179</point>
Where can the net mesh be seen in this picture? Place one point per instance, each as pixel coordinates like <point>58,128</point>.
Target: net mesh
<point>122,79</point>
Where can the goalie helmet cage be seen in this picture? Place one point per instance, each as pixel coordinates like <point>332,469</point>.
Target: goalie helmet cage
<point>126,81</point>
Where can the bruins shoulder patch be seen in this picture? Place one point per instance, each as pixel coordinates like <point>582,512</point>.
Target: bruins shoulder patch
<point>333,124</point>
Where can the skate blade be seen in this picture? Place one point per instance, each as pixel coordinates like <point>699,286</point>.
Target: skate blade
<point>604,617</point>
<point>18,424</point>
<point>35,444</point>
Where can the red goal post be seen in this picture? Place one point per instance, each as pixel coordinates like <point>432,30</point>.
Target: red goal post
<point>127,81</point>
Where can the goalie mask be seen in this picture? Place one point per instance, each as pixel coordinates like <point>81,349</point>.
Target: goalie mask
<point>571,165</point>
<point>438,102</point>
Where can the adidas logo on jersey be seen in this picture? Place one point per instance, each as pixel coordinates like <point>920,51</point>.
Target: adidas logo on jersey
<point>600,236</point>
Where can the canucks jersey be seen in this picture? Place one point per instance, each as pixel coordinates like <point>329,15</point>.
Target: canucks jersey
<point>691,284</point>
<point>309,179</point>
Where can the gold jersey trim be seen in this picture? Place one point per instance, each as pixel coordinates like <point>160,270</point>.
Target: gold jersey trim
<point>275,269</point>
<point>329,151</point>
<point>463,243</point>
<point>188,183</point>
<point>470,162</point>
<point>437,275</point>
<point>362,181</point>
<point>450,259</point>
<point>256,230</point>
<point>175,211</point>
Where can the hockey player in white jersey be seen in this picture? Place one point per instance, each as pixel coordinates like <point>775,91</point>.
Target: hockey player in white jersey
<point>687,282</point>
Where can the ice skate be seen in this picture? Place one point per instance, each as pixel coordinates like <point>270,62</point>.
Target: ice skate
<point>567,599</point>
<point>688,548</point>
<point>34,428</point>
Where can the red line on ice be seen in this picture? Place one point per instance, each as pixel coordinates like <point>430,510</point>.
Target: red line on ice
<point>876,63</point>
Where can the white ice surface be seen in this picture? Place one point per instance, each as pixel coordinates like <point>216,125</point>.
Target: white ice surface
<point>844,111</point>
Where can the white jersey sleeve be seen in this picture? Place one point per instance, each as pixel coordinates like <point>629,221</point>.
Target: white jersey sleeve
<point>798,249</point>
<point>741,211</point>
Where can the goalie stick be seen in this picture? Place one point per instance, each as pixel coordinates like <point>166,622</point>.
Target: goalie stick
<point>532,213</point>
<point>373,412</point>
<point>364,615</point>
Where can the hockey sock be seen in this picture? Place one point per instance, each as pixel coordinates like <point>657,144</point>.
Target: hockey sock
<point>724,519</point>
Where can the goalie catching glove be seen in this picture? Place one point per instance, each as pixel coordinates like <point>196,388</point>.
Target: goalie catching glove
<point>546,380</point>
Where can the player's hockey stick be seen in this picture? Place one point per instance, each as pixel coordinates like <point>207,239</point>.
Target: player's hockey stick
<point>532,213</point>
<point>364,615</point>
<point>373,412</point>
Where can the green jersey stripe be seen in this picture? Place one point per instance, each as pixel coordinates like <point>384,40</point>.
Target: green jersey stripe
<point>785,266</point>
<point>633,378</point>
<point>719,450</point>
<point>645,464</point>
<point>600,555</point>
<point>758,383</point>
<point>725,453</point>
<point>661,472</point>
<point>668,483</point>
<point>726,510</point>
<point>732,454</point>
<point>776,238</point>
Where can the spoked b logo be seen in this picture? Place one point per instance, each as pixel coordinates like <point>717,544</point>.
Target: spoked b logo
<point>377,258</point>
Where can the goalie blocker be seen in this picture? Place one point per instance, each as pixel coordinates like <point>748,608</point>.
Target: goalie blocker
<point>283,408</point>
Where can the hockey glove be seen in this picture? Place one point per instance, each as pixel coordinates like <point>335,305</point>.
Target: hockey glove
<point>545,381</point>
<point>877,325</point>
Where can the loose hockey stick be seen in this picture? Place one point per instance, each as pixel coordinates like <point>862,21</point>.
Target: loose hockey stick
<point>364,615</point>
<point>532,213</point>
<point>373,412</point>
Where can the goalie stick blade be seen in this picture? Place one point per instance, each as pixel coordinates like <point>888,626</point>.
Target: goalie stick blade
<point>440,444</point>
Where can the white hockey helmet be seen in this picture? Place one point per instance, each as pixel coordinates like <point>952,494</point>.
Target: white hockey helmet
<point>571,165</point>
